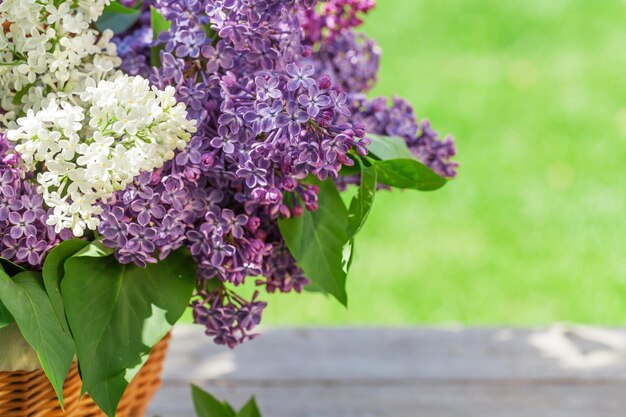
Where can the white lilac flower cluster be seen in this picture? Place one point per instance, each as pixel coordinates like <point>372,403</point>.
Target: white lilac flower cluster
<point>84,154</point>
<point>83,128</point>
<point>47,46</point>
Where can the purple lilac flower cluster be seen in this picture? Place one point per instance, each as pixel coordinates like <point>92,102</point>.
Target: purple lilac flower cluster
<point>399,120</point>
<point>350,58</point>
<point>276,88</point>
<point>24,236</point>
<point>352,61</point>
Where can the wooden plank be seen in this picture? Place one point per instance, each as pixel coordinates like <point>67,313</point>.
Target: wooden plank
<point>416,400</point>
<point>556,372</point>
<point>407,354</point>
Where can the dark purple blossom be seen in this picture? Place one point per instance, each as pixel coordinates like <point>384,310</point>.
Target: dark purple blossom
<point>226,317</point>
<point>434,152</point>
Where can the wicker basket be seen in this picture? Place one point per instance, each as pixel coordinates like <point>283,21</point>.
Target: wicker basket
<point>30,394</point>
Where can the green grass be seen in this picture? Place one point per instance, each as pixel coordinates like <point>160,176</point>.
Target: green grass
<point>534,228</point>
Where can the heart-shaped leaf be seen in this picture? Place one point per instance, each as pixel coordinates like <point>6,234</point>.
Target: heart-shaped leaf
<point>117,313</point>
<point>27,301</point>
<point>317,240</point>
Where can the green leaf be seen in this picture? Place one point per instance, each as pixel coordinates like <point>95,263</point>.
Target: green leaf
<point>389,147</point>
<point>229,409</point>
<point>208,406</point>
<point>118,18</point>
<point>159,24</point>
<point>26,300</point>
<point>363,201</point>
<point>53,270</point>
<point>409,174</point>
<point>108,393</point>
<point>117,313</point>
<point>317,240</point>
<point>250,409</point>
<point>398,167</point>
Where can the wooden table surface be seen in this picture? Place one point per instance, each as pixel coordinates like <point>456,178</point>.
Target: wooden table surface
<point>561,371</point>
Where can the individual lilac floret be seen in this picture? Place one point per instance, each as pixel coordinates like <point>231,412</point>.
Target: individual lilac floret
<point>267,88</point>
<point>190,43</point>
<point>300,76</point>
<point>221,56</point>
<point>314,100</point>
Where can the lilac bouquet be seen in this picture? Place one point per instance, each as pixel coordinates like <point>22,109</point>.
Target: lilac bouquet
<point>158,154</point>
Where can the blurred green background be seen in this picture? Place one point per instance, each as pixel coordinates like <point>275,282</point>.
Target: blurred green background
<point>533,230</point>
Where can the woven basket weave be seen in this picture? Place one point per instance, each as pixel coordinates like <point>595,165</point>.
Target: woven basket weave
<point>30,394</point>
